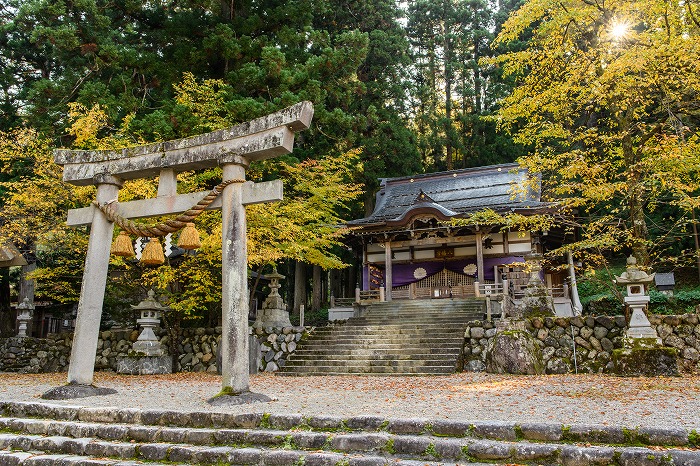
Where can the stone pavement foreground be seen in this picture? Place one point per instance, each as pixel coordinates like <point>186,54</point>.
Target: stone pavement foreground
<point>356,421</point>
<point>469,397</point>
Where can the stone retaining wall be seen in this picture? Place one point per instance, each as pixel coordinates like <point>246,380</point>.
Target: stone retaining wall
<point>595,339</point>
<point>197,349</point>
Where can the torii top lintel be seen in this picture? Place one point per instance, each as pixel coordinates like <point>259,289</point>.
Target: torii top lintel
<point>262,138</point>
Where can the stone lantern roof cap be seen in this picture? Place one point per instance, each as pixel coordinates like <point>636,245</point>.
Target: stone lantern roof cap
<point>150,304</point>
<point>634,274</point>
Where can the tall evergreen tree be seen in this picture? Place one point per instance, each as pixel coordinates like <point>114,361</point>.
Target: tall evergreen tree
<point>454,92</point>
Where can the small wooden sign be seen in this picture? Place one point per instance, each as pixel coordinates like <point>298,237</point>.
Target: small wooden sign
<point>443,253</point>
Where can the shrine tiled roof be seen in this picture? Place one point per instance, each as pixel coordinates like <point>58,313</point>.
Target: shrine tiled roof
<point>455,193</point>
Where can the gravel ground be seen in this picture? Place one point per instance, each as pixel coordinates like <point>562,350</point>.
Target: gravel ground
<point>567,399</point>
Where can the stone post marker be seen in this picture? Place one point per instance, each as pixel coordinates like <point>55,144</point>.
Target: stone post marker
<point>231,148</point>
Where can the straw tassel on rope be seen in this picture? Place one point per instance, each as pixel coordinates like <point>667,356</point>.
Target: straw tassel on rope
<point>189,238</point>
<point>153,253</point>
<point>122,245</point>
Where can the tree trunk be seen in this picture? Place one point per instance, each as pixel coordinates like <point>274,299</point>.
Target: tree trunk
<point>27,286</point>
<point>352,282</point>
<point>317,295</point>
<point>253,289</point>
<point>7,322</point>
<point>635,200</point>
<point>448,86</point>
<point>369,203</point>
<point>697,242</point>
<point>299,286</point>
<point>476,56</point>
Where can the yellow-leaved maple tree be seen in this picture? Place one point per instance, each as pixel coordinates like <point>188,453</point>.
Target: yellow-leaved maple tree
<point>607,99</point>
<point>304,226</point>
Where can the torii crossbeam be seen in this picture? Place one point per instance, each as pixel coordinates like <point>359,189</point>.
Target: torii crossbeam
<point>233,149</point>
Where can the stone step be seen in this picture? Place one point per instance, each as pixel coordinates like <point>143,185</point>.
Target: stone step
<point>427,325</point>
<point>424,305</point>
<point>376,442</point>
<point>403,325</point>
<point>396,337</point>
<point>397,351</point>
<point>362,338</point>
<point>379,332</point>
<point>23,458</point>
<point>113,423</point>
<point>387,347</point>
<point>423,309</point>
<point>376,362</point>
<point>418,311</point>
<point>325,351</point>
<point>324,368</point>
<point>418,315</point>
<point>63,451</point>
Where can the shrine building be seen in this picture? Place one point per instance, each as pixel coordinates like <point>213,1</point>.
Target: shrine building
<point>410,249</point>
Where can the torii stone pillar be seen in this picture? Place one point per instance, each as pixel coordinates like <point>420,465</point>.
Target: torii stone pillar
<point>231,148</point>
<point>234,296</point>
<point>92,290</point>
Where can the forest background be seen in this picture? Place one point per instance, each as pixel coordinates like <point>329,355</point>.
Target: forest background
<point>601,98</point>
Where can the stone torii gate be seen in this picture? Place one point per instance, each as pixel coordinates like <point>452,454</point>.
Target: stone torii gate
<point>233,149</point>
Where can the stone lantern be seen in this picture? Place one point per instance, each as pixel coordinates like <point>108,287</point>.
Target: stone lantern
<point>642,353</point>
<point>274,312</point>
<point>537,300</point>
<point>637,283</point>
<point>24,315</point>
<point>147,355</point>
<point>151,310</point>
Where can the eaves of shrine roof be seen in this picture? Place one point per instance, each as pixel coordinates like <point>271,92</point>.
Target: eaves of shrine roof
<point>456,193</point>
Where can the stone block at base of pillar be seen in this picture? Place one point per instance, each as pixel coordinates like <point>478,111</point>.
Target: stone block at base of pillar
<point>238,399</point>
<point>144,365</point>
<point>76,390</point>
<point>645,361</point>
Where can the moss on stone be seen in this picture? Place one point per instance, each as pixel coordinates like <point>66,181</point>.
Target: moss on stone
<point>265,421</point>
<point>389,446</point>
<point>431,451</point>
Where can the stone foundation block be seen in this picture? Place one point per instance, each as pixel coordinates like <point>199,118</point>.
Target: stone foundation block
<point>649,362</point>
<point>322,459</point>
<point>309,440</point>
<point>144,365</point>
<point>541,432</point>
<point>280,458</point>
<point>359,442</point>
<point>577,456</point>
<point>154,451</point>
<point>246,456</point>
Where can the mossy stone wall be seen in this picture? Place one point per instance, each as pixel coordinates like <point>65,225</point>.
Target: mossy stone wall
<point>595,339</point>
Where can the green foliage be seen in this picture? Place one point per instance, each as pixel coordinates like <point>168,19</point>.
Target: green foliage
<point>431,451</point>
<point>507,222</point>
<point>312,318</point>
<point>694,438</point>
<point>389,446</point>
<point>682,302</point>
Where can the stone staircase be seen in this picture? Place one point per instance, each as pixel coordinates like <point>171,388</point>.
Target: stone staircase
<point>392,338</point>
<point>39,434</point>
